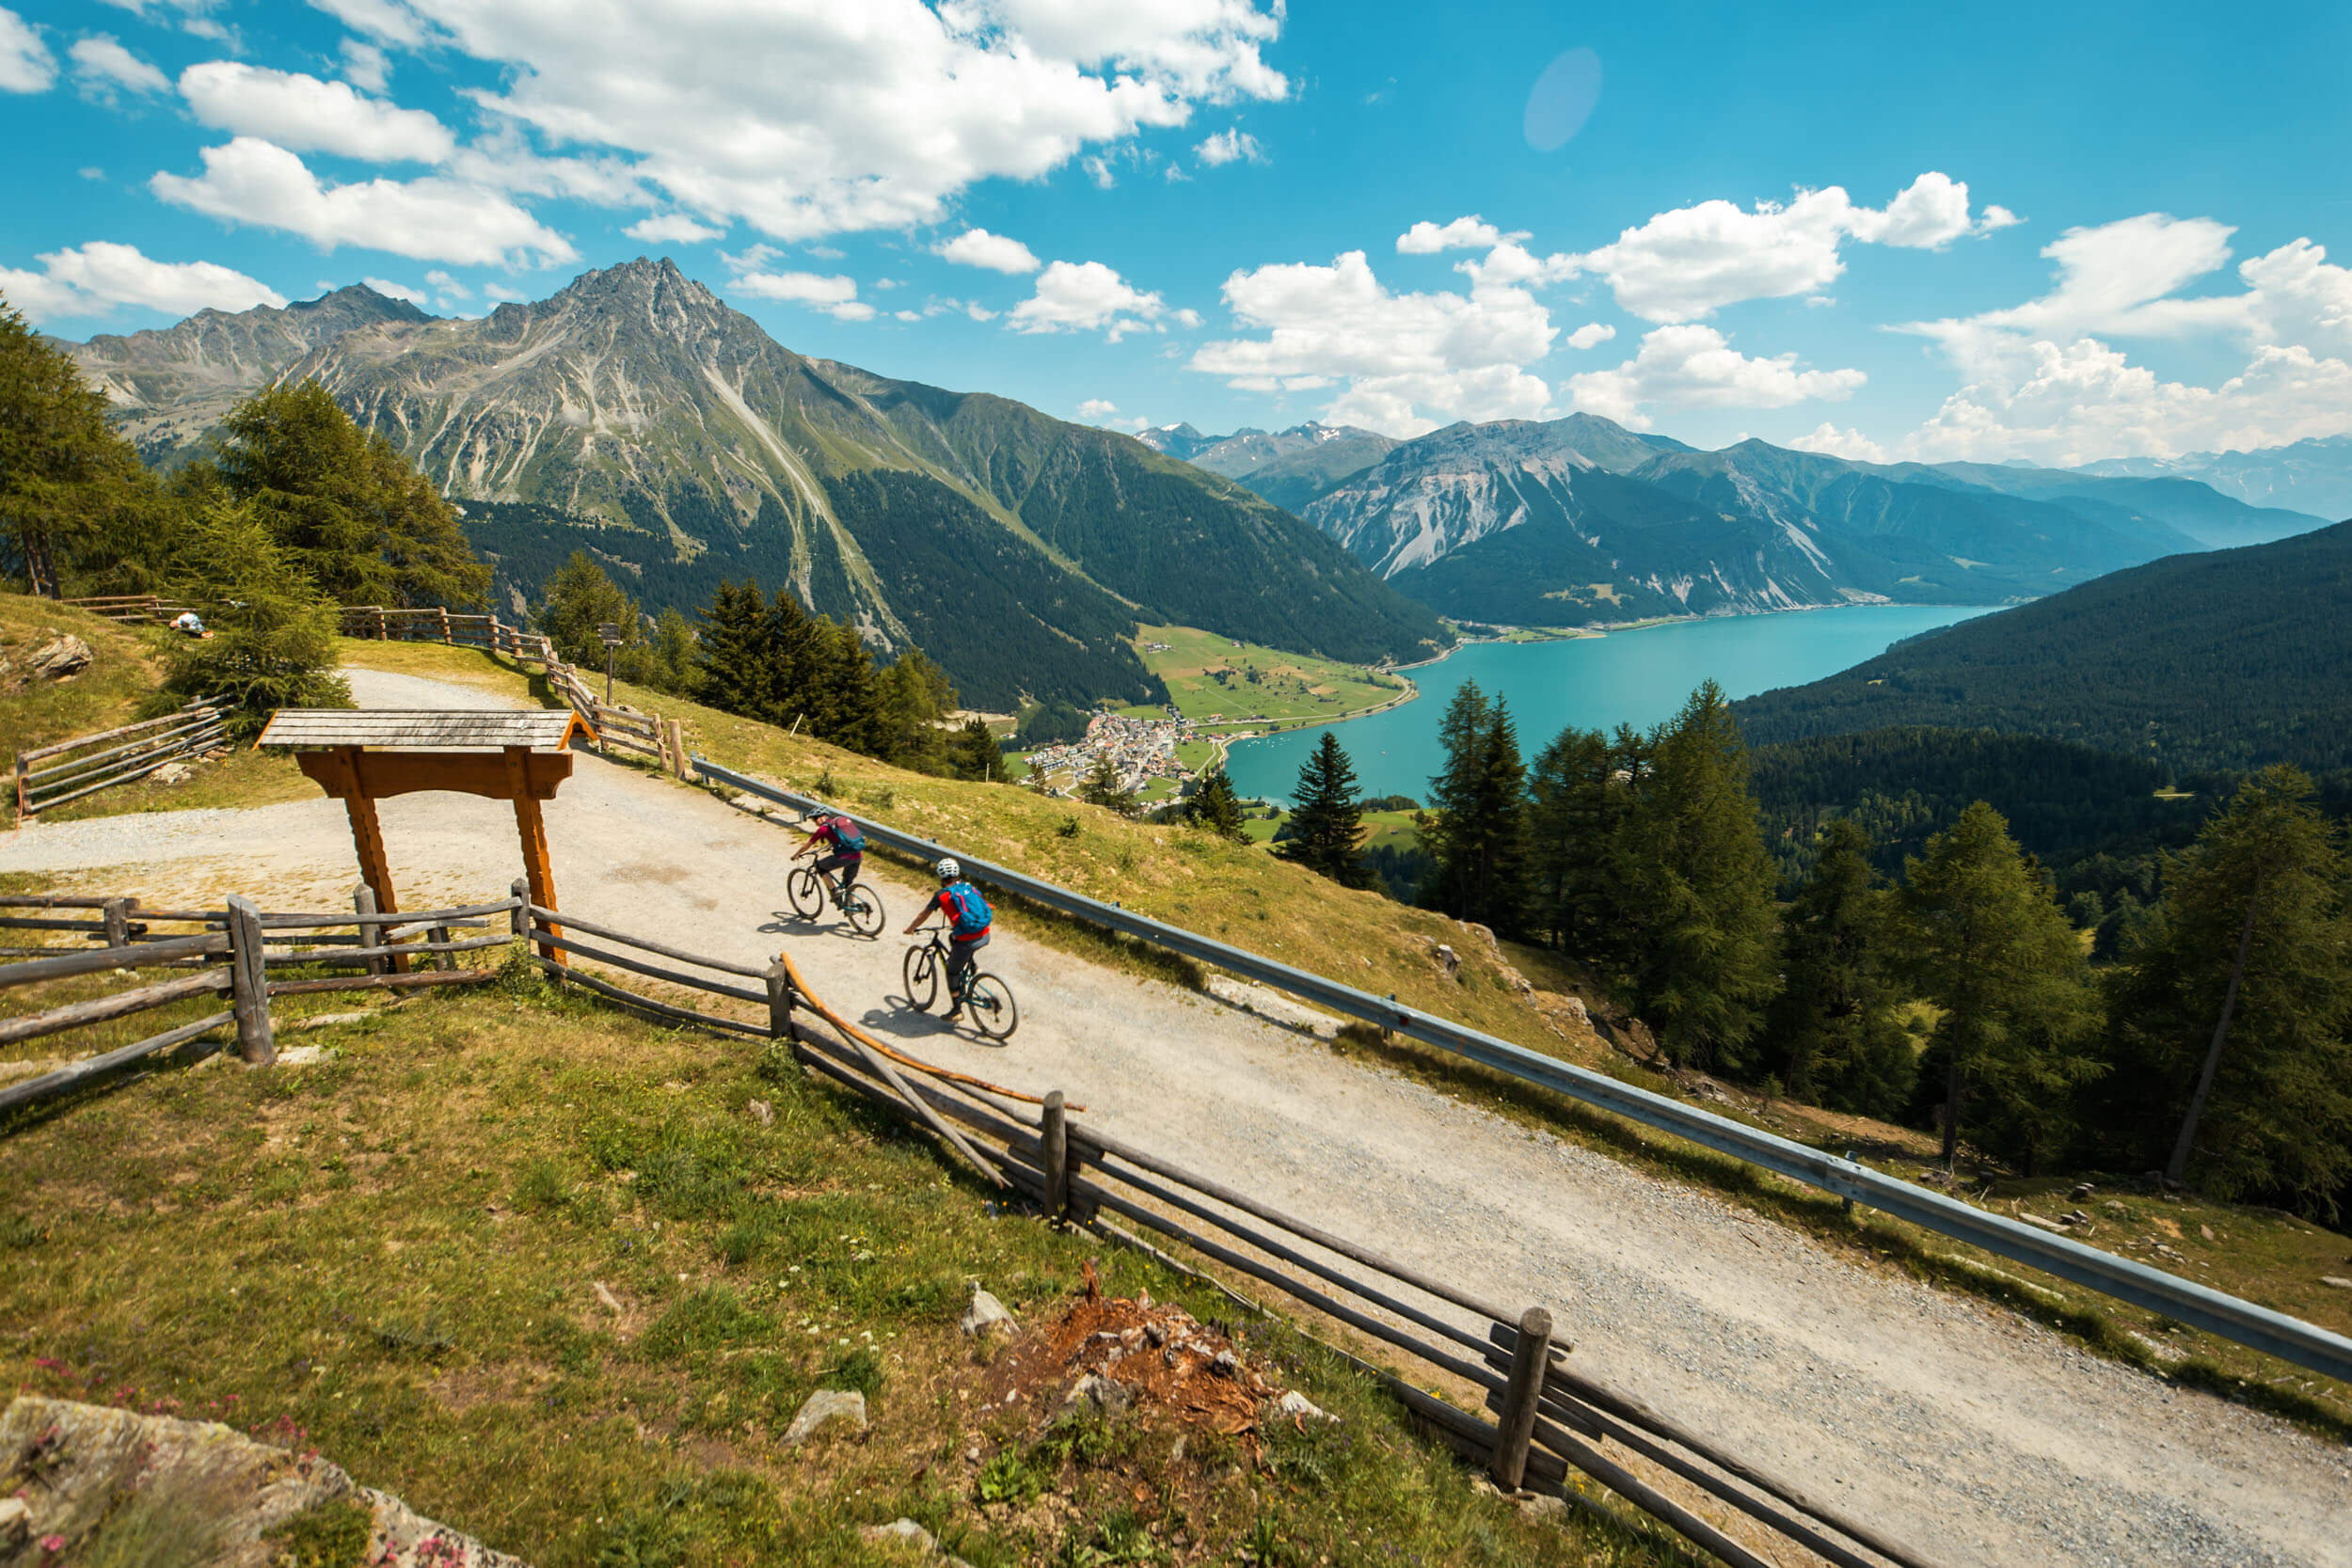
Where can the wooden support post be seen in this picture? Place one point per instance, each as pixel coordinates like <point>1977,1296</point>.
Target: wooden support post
<point>248,984</point>
<point>1516,1421</point>
<point>780,1003</point>
<point>532,828</point>
<point>445,624</point>
<point>1054,1128</point>
<point>24,795</point>
<point>371,928</point>
<point>442,961</point>
<point>117,915</point>
<point>677,747</point>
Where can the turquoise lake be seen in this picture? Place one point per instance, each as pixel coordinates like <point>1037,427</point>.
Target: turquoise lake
<point>1627,677</point>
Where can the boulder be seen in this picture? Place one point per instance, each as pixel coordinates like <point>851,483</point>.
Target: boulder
<point>1096,1394</point>
<point>2335,1282</point>
<point>822,1409</point>
<point>987,1314</point>
<point>173,773</point>
<point>60,658</point>
<point>1299,1407</point>
<point>904,1533</point>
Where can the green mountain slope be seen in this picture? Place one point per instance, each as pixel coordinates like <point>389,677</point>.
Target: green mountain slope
<point>2213,519</point>
<point>635,415</point>
<point>2221,660</point>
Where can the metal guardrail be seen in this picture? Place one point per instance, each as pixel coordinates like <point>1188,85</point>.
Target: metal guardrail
<point>2232,1318</point>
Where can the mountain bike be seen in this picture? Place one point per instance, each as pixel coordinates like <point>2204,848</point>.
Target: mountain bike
<point>987,1000</point>
<point>859,905</point>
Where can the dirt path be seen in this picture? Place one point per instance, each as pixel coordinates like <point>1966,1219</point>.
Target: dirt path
<point>1982,1439</point>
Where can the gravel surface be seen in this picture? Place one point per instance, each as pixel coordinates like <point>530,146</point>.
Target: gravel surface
<point>1952,1424</point>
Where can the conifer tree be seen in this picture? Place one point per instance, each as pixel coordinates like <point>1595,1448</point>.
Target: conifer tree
<point>913,695</point>
<point>796,658</point>
<point>1100,786</point>
<point>347,509</point>
<point>1981,940</point>
<point>581,597</point>
<point>731,664</point>
<point>1833,1029</point>
<point>273,642</point>
<point>1706,964</point>
<point>1581,796</point>
<point>845,694</point>
<point>1215,807</point>
<point>665,662</point>
<point>973,752</point>
<point>1327,818</point>
<point>1476,832</point>
<point>2229,1022</point>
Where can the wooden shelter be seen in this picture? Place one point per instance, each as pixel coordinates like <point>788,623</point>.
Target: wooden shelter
<point>362,756</point>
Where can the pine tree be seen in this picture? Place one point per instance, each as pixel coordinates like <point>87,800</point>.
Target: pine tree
<point>665,660</point>
<point>1833,1026</point>
<point>347,509</point>
<point>1477,816</point>
<point>2230,1021</point>
<point>731,664</point>
<point>1581,794</point>
<point>1327,818</point>
<point>914,694</point>
<point>1100,786</point>
<point>973,752</point>
<point>577,599</point>
<point>273,642</point>
<point>1981,940</point>
<point>795,652</point>
<point>1213,806</point>
<point>1706,963</point>
<point>846,697</point>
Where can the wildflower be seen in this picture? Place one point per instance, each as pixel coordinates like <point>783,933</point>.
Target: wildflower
<point>53,1542</point>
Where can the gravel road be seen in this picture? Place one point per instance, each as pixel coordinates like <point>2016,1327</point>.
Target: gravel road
<point>1977,1436</point>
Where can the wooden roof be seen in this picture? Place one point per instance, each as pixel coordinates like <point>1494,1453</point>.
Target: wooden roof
<point>424,729</point>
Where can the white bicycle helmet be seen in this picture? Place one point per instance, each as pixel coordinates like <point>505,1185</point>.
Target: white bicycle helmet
<point>948,870</point>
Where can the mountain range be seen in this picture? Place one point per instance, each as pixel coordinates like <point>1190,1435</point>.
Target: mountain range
<point>635,415</point>
<point>2312,475</point>
<point>2224,660</point>
<point>1579,520</point>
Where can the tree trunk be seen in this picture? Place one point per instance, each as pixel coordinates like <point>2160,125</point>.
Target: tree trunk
<point>1952,1111</point>
<point>2176,1171</point>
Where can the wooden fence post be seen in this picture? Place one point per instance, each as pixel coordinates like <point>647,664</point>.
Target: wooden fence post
<point>1054,1128</point>
<point>371,929</point>
<point>1516,1421</point>
<point>442,961</point>
<point>117,915</point>
<point>444,623</point>
<point>518,918</point>
<point>780,1003</point>
<point>677,747</point>
<point>248,984</point>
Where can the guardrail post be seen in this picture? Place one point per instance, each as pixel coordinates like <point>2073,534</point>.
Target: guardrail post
<point>1055,1126</point>
<point>371,929</point>
<point>1516,1421</point>
<point>248,984</point>
<point>118,916</point>
<point>779,1003</point>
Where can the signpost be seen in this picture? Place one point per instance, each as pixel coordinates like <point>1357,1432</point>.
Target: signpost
<point>608,633</point>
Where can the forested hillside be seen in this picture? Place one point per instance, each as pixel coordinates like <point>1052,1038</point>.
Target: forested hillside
<point>2228,660</point>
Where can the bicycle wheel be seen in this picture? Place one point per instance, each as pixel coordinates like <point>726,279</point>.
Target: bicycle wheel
<point>993,1012</point>
<point>861,907</point>
<point>922,978</point>
<point>808,900</point>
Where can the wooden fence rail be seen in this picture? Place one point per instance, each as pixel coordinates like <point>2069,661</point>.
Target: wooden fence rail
<point>131,609</point>
<point>74,770</point>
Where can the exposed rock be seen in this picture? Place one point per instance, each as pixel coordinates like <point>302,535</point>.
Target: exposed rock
<point>1100,1394</point>
<point>903,1532</point>
<point>172,773</point>
<point>60,658</point>
<point>214,1490</point>
<point>1299,1407</point>
<point>2338,1283</point>
<point>762,1112</point>
<point>1542,1505</point>
<point>987,1312</point>
<point>1449,959</point>
<point>822,1409</point>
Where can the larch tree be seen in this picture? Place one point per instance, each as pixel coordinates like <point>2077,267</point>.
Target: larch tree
<point>1215,807</point>
<point>74,500</point>
<point>581,597</point>
<point>273,642</point>
<point>1981,940</point>
<point>1832,1031</point>
<point>1327,817</point>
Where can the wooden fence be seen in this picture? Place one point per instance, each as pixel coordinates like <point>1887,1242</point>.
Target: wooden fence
<point>232,954</point>
<point>132,609</point>
<point>48,777</point>
<point>648,735</point>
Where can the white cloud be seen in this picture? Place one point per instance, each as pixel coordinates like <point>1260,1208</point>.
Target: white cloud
<point>673,229</point>
<point>1230,146</point>
<point>906,315</point>
<point>25,63</point>
<point>836,295</point>
<point>979,313</point>
<point>1081,296</point>
<point>1464,233</point>
<point>101,64</point>
<point>398,291</point>
<point>1850,444</point>
<point>1097,409</point>
<point>303,114</point>
<point>1591,335</point>
<point>1686,264</point>
<point>365,65</point>
<point>894,107</point>
<point>251,180</point>
<point>92,172</point>
<point>978,248</point>
<point>1692,366</point>
<point>447,285</point>
<point>1410,361</point>
<point>1099,170</point>
<point>92,279</point>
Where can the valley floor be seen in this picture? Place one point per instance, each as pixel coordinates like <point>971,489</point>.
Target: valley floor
<point>1956,1426</point>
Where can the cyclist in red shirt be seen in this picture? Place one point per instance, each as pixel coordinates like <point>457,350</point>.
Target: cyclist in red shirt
<point>968,918</point>
<point>845,850</point>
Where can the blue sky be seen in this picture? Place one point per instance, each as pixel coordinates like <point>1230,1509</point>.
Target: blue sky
<point>2054,231</point>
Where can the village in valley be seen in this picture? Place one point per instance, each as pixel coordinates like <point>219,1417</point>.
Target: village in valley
<point>1141,749</point>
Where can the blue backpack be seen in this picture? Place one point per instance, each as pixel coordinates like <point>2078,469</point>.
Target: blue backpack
<point>971,912</point>
<point>845,837</point>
